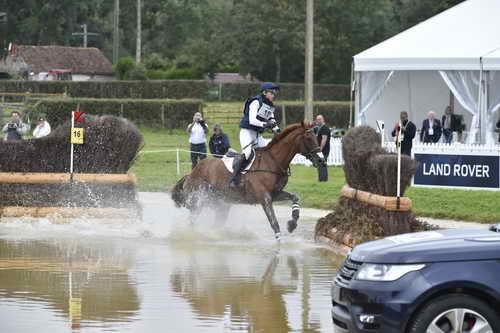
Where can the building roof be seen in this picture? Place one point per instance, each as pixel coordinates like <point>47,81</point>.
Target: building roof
<point>455,39</point>
<point>80,60</point>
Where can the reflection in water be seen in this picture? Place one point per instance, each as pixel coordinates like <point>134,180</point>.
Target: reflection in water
<point>232,289</point>
<point>85,282</point>
<point>84,277</point>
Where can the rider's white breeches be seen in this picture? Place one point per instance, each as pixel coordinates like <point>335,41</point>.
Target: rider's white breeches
<point>247,136</point>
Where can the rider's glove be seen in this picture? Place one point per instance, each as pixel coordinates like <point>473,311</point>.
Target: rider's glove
<point>276,129</point>
<point>271,123</point>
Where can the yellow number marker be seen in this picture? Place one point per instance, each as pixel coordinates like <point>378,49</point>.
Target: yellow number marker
<point>77,135</point>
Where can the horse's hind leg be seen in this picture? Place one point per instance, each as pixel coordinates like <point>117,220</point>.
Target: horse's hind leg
<point>283,196</point>
<point>267,204</point>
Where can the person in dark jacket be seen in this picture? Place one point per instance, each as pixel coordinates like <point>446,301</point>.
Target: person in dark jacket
<point>450,123</point>
<point>408,131</point>
<point>15,128</point>
<point>323,135</point>
<point>219,142</point>
<point>498,129</point>
<point>431,129</point>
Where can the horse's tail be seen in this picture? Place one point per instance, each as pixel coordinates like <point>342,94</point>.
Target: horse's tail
<point>178,192</point>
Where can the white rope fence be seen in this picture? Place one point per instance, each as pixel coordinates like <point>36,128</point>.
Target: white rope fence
<point>177,152</point>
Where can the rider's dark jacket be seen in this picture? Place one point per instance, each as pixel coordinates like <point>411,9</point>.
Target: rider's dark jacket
<point>265,113</point>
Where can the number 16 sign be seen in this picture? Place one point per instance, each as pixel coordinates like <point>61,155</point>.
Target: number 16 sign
<point>77,135</point>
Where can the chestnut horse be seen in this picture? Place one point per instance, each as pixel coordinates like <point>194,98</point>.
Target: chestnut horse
<point>263,183</point>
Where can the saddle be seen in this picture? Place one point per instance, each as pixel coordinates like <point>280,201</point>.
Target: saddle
<point>231,156</point>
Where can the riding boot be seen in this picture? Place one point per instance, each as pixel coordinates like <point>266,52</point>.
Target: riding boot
<point>237,166</point>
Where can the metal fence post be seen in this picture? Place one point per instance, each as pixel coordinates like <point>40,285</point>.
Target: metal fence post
<point>283,115</point>
<point>163,115</point>
<point>178,162</point>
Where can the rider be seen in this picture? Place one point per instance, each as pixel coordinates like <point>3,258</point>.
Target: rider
<point>258,115</point>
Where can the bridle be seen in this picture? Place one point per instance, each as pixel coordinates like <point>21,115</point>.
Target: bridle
<point>312,152</point>
<point>282,172</point>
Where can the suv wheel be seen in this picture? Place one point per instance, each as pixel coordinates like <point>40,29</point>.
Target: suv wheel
<point>455,313</point>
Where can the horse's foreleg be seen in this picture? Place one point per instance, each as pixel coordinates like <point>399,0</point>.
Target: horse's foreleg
<point>221,213</point>
<point>194,205</point>
<point>267,204</point>
<point>282,196</point>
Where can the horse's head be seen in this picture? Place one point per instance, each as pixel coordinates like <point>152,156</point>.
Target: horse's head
<point>308,145</point>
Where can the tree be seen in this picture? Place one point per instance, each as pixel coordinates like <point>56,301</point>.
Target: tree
<point>345,28</point>
<point>261,38</point>
<point>124,67</point>
<point>407,13</point>
<point>268,38</point>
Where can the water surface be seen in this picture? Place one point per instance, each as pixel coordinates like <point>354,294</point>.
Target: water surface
<point>160,275</point>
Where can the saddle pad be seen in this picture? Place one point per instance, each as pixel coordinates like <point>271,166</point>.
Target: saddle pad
<point>228,162</point>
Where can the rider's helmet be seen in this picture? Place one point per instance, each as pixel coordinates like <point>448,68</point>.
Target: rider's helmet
<point>269,86</point>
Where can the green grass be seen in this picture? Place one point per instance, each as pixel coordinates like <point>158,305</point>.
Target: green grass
<point>158,172</point>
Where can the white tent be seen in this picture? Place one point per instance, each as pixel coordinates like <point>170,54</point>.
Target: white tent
<point>457,50</point>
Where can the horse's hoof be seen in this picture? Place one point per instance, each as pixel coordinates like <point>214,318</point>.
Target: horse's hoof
<point>292,225</point>
<point>278,237</point>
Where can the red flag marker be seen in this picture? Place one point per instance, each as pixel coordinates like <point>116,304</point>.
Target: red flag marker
<point>78,117</point>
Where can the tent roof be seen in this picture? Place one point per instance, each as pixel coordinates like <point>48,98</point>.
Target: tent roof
<point>453,40</point>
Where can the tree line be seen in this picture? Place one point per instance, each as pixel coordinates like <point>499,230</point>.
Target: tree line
<point>190,38</point>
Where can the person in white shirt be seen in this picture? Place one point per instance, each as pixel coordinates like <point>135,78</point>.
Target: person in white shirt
<point>42,128</point>
<point>197,131</point>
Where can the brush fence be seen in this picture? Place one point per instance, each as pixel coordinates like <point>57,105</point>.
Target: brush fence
<point>63,195</point>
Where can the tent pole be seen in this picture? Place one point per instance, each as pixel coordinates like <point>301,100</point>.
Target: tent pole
<point>351,94</point>
<point>479,101</point>
<point>357,92</point>
<point>484,104</point>
<point>409,98</point>
<point>398,147</point>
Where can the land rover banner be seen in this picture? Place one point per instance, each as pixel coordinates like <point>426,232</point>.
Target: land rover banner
<point>472,171</point>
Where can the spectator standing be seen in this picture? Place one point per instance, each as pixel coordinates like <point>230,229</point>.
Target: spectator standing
<point>431,129</point>
<point>15,128</point>
<point>197,138</point>
<point>498,129</point>
<point>323,133</point>
<point>408,131</point>
<point>449,123</point>
<point>219,142</point>
<point>42,128</point>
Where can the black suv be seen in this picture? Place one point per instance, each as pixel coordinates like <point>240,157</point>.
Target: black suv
<point>428,282</point>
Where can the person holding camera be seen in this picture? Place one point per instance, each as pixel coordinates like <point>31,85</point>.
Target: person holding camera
<point>197,138</point>
<point>15,128</point>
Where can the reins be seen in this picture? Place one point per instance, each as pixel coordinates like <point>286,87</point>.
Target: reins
<point>282,171</point>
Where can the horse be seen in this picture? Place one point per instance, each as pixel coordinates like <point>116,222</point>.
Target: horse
<point>263,183</point>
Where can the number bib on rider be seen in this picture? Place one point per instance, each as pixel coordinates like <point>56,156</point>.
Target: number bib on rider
<point>266,111</point>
